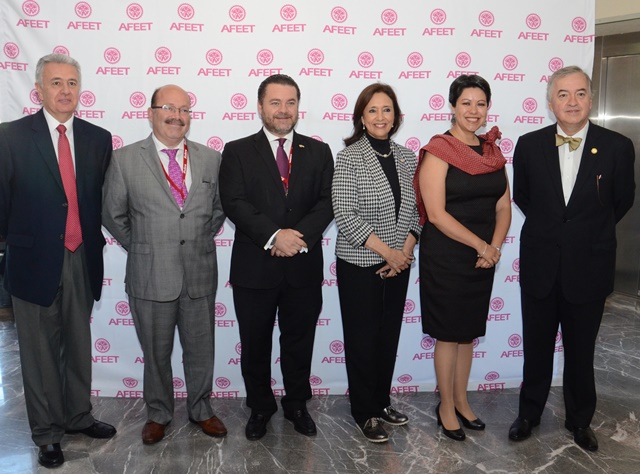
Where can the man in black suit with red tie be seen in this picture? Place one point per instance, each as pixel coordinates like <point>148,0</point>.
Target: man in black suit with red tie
<point>275,186</point>
<point>52,167</point>
<point>573,182</point>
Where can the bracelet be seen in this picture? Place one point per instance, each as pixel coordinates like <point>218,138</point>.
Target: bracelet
<point>486,245</point>
<point>497,248</point>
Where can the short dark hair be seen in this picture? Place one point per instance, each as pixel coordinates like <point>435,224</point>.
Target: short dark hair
<point>464,82</point>
<point>281,79</point>
<point>363,99</point>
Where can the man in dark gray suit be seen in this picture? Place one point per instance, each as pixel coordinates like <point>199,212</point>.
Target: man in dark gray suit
<point>52,168</point>
<point>161,202</point>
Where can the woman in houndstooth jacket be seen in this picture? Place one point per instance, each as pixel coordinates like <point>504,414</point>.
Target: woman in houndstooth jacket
<point>375,209</point>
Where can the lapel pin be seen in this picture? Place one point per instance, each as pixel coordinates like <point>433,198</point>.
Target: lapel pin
<point>300,145</point>
<point>594,151</point>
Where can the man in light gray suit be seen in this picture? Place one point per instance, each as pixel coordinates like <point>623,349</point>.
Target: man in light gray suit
<point>161,202</point>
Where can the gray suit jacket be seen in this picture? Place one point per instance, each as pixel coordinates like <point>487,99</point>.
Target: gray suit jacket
<point>167,247</point>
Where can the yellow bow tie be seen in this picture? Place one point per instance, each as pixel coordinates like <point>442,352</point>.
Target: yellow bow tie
<point>574,143</point>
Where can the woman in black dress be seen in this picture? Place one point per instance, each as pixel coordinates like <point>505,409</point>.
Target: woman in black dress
<point>464,190</point>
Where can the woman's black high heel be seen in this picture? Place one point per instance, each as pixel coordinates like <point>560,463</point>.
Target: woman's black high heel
<point>476,424</point>
<point>457,435</point>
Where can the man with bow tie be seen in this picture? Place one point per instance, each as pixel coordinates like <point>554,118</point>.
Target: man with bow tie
<point>573,181</point>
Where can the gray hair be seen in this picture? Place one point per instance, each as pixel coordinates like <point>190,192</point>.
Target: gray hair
<point>57,59</point>
<point>564,72</point>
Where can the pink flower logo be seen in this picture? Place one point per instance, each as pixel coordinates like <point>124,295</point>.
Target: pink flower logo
<point>476,342</point>
<point>61,50</point>
<point>223,383</point>
<point>533,21</point>
<point>30,8</point>
<point>516,265</point>
<point>102,345</point>
<point>389,16</point>
<point>273,382</point>
<point>332,268</point>
<point>135,11</point>
<point>515,340</point>
<point>506,145</point>
<point>111,55</point>
<point>496,304</point>
<point>438,16</point>
<point>315,380</point>
<point>558,337</point>
<point>436,102</point>
<point>11,50</point>
<point>220,310</point>
<point>339,14</point>
<point>237,13</point>
<point>555,64</point>
<point>409,306</point>
<point>163,54</point>
<point>530,105</point>
<point>117,142</point>
<point>415,59</point>
<point>264,57</point>
<point>365,59</point>
<point>178,383</point>
<point>220,231</point>
<point>35,98</point>
<point>238,101</point>
<point>339,101</point>
<point>427,343</point>
<point>463,59</point>
<point>579,24</point>
<point>510,62</point>
<point>319,138</point>
<point>186,11</point>
<point>288,12</point>
<point>83,9</point>
<point>413,144</point>
<point>87,99</point>
<point>491,376</point>
<point>193,99</point>
<point>486,18</point>
<point>129,382</point>
<point>238,348</point>
<point>214,57</point>
<point>137,100</point>
<point>336,347</point>
<point>315,56</point>
<point>215,143</point>
<point>405,378</point>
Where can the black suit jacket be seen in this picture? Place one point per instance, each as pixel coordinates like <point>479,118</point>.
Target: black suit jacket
<point>254,200</point>
<point>576,241</point>
<point>33,205</point>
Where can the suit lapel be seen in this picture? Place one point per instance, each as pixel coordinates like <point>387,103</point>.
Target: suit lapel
<point>552,158</point>
<point>264,151</point>
<point>587,161</point>
<point>196,168</point>
<point>149,155</point>
<point>298,159</point>
<point>42,138</point>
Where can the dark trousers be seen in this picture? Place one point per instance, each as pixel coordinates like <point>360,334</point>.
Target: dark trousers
<point>298,310</point>
<point>55,354</point>
<point>372,310</point>
<point>579,325</point>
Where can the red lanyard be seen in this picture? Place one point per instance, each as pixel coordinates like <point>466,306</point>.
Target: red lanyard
<point>181,189</point>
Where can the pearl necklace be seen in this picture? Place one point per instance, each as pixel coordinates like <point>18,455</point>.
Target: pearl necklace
<point>383,155</point>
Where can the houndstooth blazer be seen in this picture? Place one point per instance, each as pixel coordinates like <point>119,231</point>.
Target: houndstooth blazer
<point>363,202</point>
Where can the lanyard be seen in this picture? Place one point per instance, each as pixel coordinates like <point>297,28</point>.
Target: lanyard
<point>285,181</point>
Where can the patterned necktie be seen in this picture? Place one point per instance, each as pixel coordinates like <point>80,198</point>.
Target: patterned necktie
<point>283,163</point>
<point>573,142</point>
<point>175,173</point>
<point>73,231</point>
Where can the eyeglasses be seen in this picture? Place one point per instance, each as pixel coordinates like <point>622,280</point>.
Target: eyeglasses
<point>171,109</point>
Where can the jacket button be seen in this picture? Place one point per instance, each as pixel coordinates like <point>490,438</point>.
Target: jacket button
<point>181,216</point>
<point>61,236</point>
<point>64,204</point>
<point>182,242</point>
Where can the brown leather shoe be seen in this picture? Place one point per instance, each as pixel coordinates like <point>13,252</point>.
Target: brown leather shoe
<point>152,432</point>
<point>212,427</point>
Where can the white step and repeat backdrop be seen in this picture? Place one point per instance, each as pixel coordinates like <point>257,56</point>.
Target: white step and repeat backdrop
<point>220,51</point>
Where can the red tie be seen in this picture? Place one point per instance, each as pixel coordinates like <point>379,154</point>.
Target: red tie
<point>73,232</point>
<point>283,163</point>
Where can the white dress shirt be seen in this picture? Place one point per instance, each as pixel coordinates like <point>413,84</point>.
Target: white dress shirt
<point>570,161</point>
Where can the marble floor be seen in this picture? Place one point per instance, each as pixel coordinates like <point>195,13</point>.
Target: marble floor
<point>339,448</point>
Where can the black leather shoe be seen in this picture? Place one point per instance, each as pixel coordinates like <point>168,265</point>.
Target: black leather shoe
<point>457,435</point>
<point>394,417</point>
<point>372,430</point>
<point>98,430</point>
<point>476,424</point>
<point>50,455</point>
<point>302,421</point>
<point>521,429</point>
<point>256,426</point>
<point>584,437</point>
